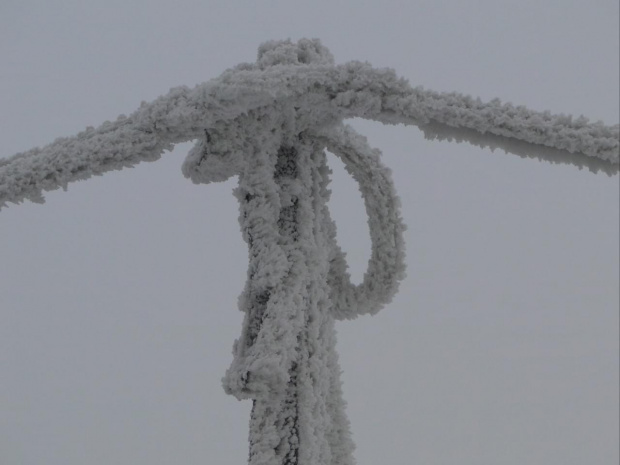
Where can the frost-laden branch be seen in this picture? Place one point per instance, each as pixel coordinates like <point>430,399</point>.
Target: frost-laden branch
<point>326,93</point>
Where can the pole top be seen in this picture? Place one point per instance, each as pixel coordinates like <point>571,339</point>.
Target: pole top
<point>285,52</point>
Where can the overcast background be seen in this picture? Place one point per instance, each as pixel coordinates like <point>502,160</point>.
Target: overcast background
<point>118,297</point>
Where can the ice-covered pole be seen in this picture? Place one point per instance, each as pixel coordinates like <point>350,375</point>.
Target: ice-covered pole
<point>269,123</point>
<point>297,285</point>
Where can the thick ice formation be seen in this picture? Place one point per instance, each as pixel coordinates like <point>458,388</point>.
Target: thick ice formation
<point>270,123</point>
<point>292,75</point>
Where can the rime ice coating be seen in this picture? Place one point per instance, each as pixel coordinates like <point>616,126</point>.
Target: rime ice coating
<point>270,123</point>
<point>386,267</point>
<point>300,75</point>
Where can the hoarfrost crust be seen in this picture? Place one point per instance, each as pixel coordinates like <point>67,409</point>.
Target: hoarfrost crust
<point>285,360</point>
<point>300,75</point>
<point>270,123</point>
<point>386,267</point>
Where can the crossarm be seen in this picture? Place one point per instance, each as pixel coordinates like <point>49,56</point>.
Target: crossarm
<point>325,94</point>
<point>358,90</point>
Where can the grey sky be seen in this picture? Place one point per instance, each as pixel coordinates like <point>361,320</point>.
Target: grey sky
<point>118,297</point>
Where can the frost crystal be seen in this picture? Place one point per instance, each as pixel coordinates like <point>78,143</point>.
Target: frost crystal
<point>270,123</point>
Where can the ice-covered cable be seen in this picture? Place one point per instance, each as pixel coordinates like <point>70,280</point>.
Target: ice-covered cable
<point>386,267</point>
<point>270,123</point>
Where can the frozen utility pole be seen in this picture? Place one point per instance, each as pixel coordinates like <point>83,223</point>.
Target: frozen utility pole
<point>269,123</point>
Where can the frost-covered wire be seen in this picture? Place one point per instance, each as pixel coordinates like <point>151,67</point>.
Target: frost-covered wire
<point>270,123</point>
<point>386,267</point>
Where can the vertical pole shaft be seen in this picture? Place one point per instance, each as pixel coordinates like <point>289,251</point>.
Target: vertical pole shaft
<point>283,411</point>
<point>299,421</point>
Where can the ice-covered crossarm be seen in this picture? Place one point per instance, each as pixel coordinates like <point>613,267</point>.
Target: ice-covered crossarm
<point>322,94</point>
<point>270,123</point>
